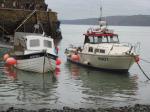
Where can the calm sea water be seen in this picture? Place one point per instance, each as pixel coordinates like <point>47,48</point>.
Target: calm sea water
<point>76,86</point>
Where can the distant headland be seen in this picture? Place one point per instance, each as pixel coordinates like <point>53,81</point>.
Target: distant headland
<point>133,20</point>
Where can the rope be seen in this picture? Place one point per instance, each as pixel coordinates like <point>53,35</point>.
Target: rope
<point>141,69</point>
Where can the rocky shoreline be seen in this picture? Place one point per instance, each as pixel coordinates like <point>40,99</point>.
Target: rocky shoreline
<point>135,108</point>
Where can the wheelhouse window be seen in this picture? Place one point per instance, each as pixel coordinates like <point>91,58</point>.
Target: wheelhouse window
<point>47,43</point>
<point>102,51</point>
<point>113,39</point>
<point>96,50</point>
<point>91,39</point>
<point>104,39</point>
<point>101,38</point>
<point>90,49</point>
<point>99,51</point>
<point>34,43</point>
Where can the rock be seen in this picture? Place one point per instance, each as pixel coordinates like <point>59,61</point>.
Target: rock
<point>135,108</point>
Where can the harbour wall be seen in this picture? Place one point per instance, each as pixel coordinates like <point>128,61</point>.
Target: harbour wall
<point>10,19</point>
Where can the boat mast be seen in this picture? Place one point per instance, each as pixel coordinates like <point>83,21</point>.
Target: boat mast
<point>101,11</point>
<point>100,18</point>
<point>102,22</point>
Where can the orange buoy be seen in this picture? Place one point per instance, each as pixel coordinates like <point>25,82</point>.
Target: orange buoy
<point>57,70</point>
<point>58,61</point>
<point>75,57</point>
<point>5,57</point>
<point>11,61</point>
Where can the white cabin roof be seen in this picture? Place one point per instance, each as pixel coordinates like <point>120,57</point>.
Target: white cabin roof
<point>29,36</point>
<point>24,34</point>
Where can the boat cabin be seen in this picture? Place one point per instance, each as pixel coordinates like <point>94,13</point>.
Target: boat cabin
<point>97,38</point>
<point>25,43</point>
<point>99,42</point>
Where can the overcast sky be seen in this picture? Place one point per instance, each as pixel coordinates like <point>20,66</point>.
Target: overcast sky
<point>80,9</point>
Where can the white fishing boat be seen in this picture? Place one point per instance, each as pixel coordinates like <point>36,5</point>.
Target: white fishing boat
<point>34,52</point>
<point>102,50</point>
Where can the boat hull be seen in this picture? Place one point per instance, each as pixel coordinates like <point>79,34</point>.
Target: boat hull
<point>38,62</point>
<point>120,63</point>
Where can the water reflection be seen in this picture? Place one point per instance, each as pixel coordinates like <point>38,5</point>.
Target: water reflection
<point>76,86</point>
<point>35,87</point>
<point>103,87</point>
<point>73,86</point>
<point>27,88</point>
<point>9,72</point>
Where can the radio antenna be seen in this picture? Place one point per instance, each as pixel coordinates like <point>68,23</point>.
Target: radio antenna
<point>102,22</point>
<point>101,14</point>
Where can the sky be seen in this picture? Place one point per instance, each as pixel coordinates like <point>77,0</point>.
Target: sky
<point>81,9</point>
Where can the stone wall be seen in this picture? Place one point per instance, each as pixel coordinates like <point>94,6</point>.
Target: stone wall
<point>24,4</point>
<point>10,19</point>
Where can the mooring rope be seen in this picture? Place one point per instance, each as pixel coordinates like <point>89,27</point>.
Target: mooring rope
<point>141,69</point>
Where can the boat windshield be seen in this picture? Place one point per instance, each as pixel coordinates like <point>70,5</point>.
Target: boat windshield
<point>101,39</point>
<point>34,43</point>
<point>113,39</point>
<point>47,43</point>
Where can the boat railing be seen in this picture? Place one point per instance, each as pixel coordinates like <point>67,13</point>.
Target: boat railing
<point>126,44</point>
<point>133,47</point>
<point>137,48</point>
